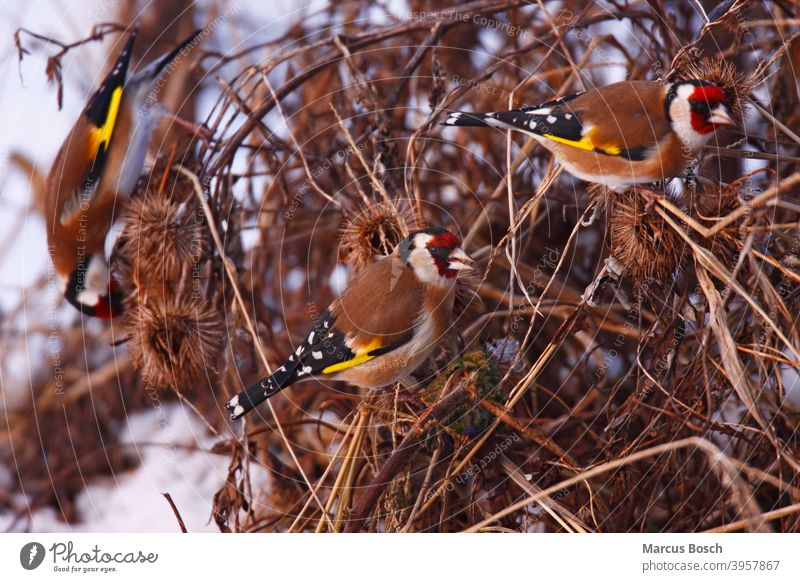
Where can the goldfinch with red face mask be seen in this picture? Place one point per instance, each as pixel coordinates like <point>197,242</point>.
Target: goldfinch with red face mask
<point>96,168</point>
<point>384,325</point>
<point>621,135</point>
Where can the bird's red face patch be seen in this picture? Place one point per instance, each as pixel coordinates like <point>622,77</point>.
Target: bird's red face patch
<point>702,101</point>
<point>711,94</point>
<point>110,305</point>
<point>106,309</point>
<point>440,246</point>
<point>107,306</point>
<point>445,239</point>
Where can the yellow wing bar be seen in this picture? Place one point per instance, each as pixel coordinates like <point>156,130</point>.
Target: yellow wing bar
<point>586,143</point>
<point>102,135</point>
<point>362,354</point>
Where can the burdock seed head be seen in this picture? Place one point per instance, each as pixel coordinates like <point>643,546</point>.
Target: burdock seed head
<point>163,235</point>
<point>373,231</point>
<point>599,194</point>
<point>175,341</point>
<point>642,241</point>
<point>713,203</point>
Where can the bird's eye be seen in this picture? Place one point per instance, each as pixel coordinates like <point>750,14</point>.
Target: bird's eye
<point>439,252</point>
<point>699,105</point>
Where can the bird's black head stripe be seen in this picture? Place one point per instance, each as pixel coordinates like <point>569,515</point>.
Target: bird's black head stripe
<point>77,279</point>
<point>405,246</point>
<point>671,94</point>
<point>404,249</point>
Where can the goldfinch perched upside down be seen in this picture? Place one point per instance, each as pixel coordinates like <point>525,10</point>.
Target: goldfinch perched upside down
<point>620,135</point>
<point>384,325</point>
<point>98,165</point>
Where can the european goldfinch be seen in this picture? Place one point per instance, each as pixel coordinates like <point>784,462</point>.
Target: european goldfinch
<point>624,134</point>
<point>382,327</point>
<point>97,167</point>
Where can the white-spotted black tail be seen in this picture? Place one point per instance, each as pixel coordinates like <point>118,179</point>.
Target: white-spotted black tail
<point>323,347</point>
<point>259,392</point>
<point>466,119</point>
<point>527,120</point>
<point>324,351</point>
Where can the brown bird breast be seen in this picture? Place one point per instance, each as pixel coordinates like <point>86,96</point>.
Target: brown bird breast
<point>385,304</point>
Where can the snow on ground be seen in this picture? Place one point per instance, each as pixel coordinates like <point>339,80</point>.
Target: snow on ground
<point>172,444</point>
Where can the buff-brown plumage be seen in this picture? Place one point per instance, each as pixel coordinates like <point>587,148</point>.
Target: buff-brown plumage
<point>629,115</point>
<point>382,327</point>
<point>384,305</point>
<point>369,309</point>
<point>92,218</point>
<point>623,134</point>
<point>95,170</point>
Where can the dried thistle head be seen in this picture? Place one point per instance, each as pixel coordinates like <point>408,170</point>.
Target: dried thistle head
<point>162,234</point>
<point>174,340</point>
<point>716,202</point>
<point>599,194</point>
<point>712,204</point>
<point>642,240</point>
<point>723,74</point>
<point>374,230</point>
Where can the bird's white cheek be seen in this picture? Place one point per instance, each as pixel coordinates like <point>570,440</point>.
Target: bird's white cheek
<point>424,267</point>
<point>681,115</point>
<point>97,277</point>
<point>90,298</point>
<point>62,281</point>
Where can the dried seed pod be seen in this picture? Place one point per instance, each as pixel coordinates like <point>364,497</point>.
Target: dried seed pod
<point>642,240</point>
<point>375,230</point>
<point>599,194</point>
<point>175,341</point>
<point>708,207</point>
<point>163,235</point>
